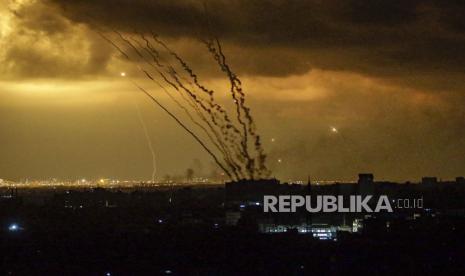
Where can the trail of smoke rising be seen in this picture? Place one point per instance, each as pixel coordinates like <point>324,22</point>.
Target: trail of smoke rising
<point>228,143</point>
<point>197,83</point>
<point>174,74</point>
<point>184,65</point>
<point>113,44</point>
<point>167,111</point>
<point>226,152</point>
<point>244,146</point>
<point>192,101</point>
<point>146,73</point>
<point>235,81</point>
<point>194,121</point>
<point>149,142</point>
<point>201,104</point>
<point>185,128</point>
<point>223,140</point>
<point>218,142</point>
<point>194,98</point>
<point>213,105</point>
<point>225,129</point>
<point>238,101</point>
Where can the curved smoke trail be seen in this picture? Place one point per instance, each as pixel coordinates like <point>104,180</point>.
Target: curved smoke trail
<point>184,127</point>
<point>240,153</point>
<point>149,142</point>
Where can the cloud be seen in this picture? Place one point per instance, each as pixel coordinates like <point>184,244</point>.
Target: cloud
<point>414,43</point>
<point>41,43</point>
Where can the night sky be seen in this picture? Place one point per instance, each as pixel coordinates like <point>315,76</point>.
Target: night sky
<point>336,87</point>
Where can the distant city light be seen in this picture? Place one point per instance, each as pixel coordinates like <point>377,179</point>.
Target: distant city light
<point>272,139</point>
<point>333,129</point>
<point>123,74</point>
<point>280,160</point>
<point>160,221</point>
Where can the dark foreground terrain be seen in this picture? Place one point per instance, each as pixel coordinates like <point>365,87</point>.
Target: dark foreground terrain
<point>183,233</point>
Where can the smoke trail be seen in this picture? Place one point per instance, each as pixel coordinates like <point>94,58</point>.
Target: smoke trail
<point>112,43</point>
<point>226,124</point>
<point>184,127</point>
<point>196,100</point>
<point>232,143</point>
<point>236,88</point>
<point>218,143</point>
<point>238,98</point>
<point>221,60</point>
<point>158,103</point>
<point>236,84</point>
<point>149,142</point>
<point>184,65</point>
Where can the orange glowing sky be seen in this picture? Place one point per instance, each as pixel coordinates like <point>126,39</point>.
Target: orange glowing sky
<point>387,75</point>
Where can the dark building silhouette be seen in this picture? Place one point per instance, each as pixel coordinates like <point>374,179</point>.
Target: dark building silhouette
<point>366,184</point>
<point>429,182</point>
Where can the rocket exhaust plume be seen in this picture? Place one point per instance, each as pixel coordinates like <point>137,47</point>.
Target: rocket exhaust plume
<point>230,139</point>
<point>149,142</point>
<point>184,127</point>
